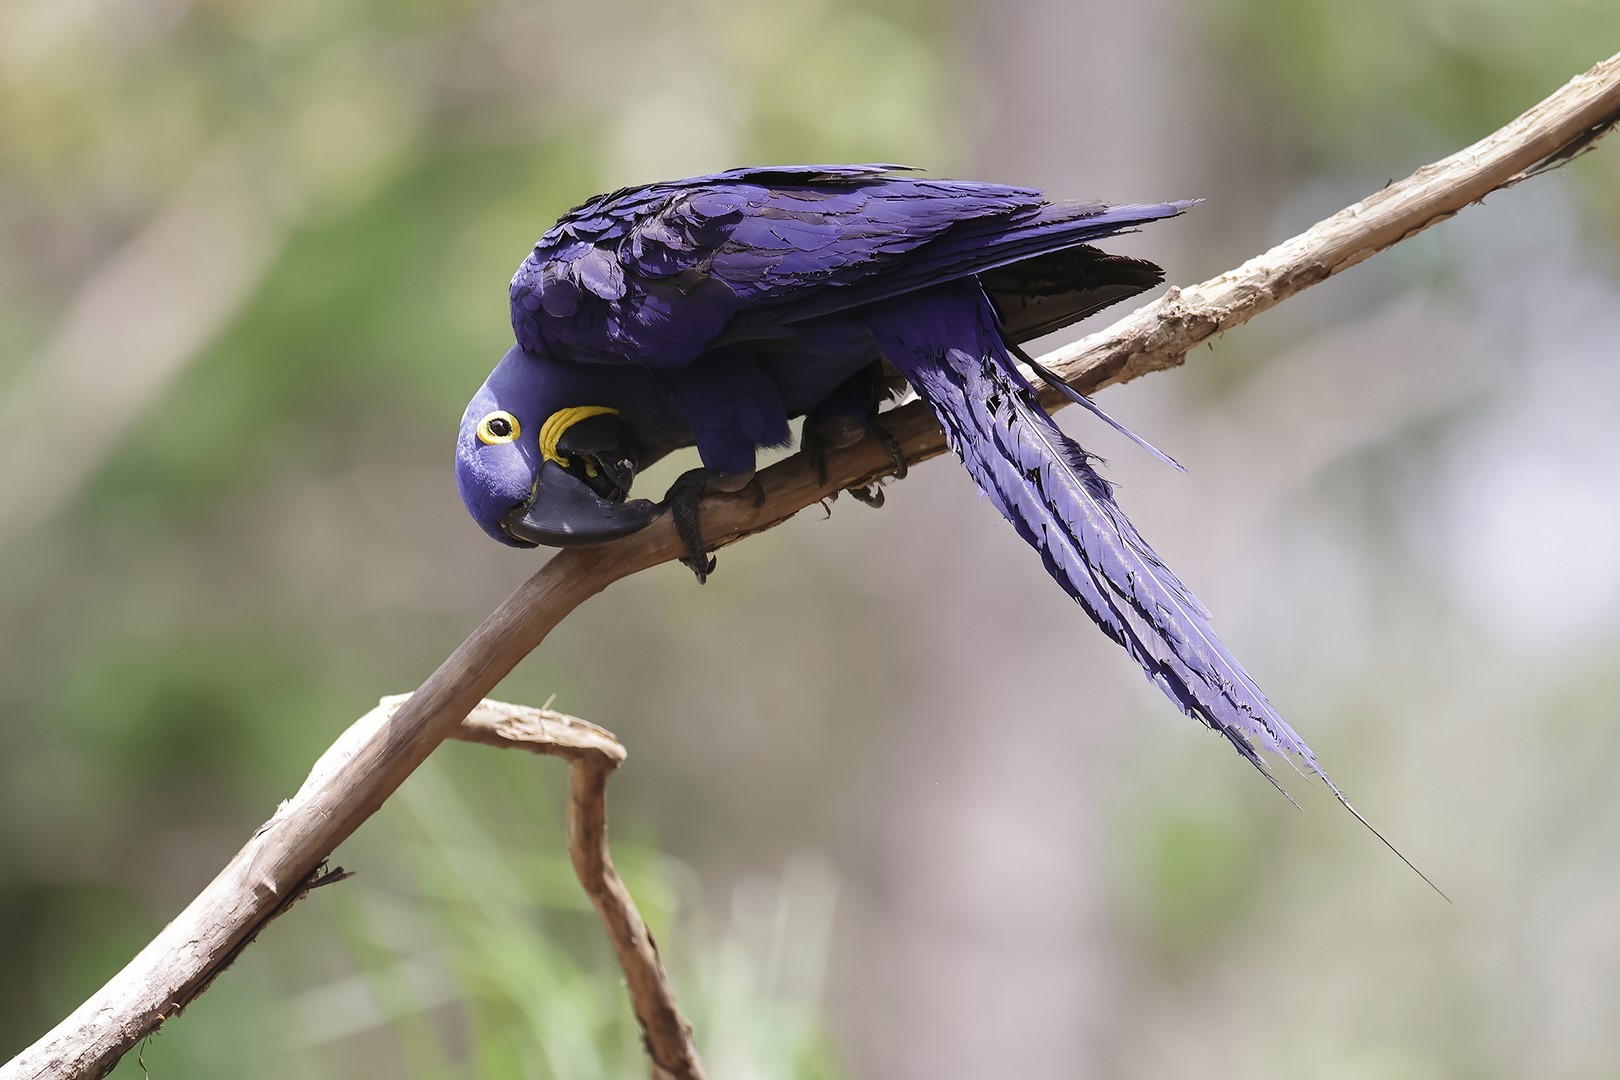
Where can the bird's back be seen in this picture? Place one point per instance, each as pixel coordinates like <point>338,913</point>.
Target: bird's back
<point>657,275</point>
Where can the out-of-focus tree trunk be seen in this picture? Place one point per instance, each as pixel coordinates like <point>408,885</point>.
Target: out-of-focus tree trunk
<point>993,859</point>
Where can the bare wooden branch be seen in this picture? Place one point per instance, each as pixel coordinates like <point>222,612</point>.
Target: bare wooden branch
<point>284,851</point>
<point>669,1036</point>
<point>539,731</point>
<point>592,754</point>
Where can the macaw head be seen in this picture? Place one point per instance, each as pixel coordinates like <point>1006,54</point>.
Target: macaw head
<point>535,469</point>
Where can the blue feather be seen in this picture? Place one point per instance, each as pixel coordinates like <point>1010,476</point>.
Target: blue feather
<point>946,342</point>
<point>1057,382</point>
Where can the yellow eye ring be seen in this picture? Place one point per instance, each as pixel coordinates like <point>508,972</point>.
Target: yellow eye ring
<point>498,427</point>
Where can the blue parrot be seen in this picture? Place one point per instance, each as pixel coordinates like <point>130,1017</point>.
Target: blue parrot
<point>710,311</point>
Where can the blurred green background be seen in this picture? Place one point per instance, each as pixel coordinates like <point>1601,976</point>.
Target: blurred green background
<point>893,808</point>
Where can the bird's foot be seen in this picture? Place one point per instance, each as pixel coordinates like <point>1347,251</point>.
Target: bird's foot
<point>838,432</point>
<point>887,439</point>
<point>682,501</point>
<point>828,433</point>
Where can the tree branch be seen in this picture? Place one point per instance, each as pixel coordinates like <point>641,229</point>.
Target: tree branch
<point>592,754</point>
<point>282,854</point>
<point>668,1035</point>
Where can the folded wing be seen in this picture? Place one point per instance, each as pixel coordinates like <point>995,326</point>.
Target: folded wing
<point>655,275</point>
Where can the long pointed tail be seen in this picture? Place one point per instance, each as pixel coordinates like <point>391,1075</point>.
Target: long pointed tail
<point>946,342</point>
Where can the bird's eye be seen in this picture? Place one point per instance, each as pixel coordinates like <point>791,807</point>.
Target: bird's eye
<point>498,427</point>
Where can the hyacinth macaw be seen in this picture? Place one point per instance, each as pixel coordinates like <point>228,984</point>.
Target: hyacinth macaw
<point>710,311</point>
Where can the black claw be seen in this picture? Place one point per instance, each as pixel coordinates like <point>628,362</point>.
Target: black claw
<point>701,568</point>
<point>682,501</point>
<point>813,444</point>
<point>873,496</point>
<point>850,414</point>
<point>890,442</point>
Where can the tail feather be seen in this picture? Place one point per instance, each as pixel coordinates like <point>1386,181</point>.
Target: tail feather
<point>1046,486</point>
<point>1056,381</point>
<point>946,342</point>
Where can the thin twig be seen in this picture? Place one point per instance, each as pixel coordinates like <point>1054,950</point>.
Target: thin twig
<point>592,754</point>
<point>668,1035</point>
<point>348,788</point>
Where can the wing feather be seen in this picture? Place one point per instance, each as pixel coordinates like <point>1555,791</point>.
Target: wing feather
<point>655,275</point>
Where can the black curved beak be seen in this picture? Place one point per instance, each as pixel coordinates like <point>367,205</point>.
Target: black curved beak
<point>565,512</point>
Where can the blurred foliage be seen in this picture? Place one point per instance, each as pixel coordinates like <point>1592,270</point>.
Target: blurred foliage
<point>194,605</point>
<point>1357,83</point>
